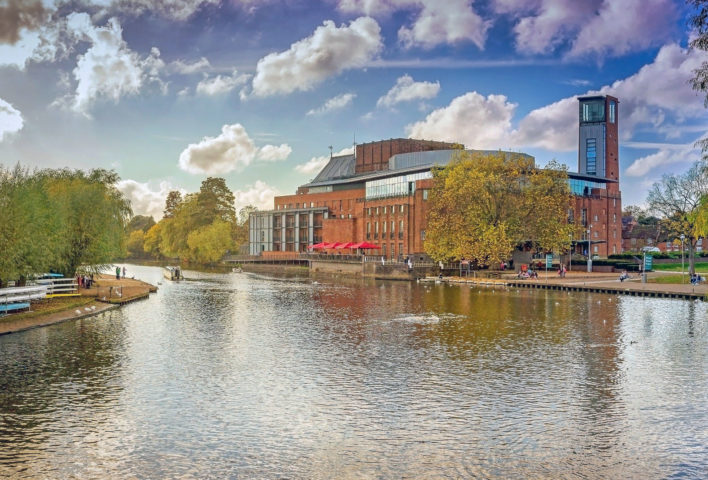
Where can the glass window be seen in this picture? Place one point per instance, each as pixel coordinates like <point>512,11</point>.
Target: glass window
<point>613,109</point>
<point>425,194</point>
<point>591,155</point>
<point>592,110</point>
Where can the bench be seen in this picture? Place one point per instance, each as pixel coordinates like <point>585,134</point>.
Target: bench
<point>9,307</point>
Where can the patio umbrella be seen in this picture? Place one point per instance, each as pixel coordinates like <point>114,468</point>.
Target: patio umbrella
<point>317,246</point>
<point>346,245</point>
<point>365,245</point>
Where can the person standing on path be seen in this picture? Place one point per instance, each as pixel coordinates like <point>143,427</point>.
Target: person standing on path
<point>123,272</point>
<point>117,273</point>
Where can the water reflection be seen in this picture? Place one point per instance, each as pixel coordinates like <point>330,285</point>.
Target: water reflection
<point>240,375</point>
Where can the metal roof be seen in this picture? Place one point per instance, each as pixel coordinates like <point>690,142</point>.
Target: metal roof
<point>337,167</point>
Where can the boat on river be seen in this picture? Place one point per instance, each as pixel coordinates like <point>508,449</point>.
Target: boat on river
<point>172,273</point>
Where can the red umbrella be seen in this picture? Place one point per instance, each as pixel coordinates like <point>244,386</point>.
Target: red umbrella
<point>365,245</point>
<point>334,245</point>
<point>346,245</point>
<point>317,246</point>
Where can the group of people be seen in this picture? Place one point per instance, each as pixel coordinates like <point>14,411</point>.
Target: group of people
<point>525,274</point>
<point>118,273</point>
<point>84,281</point>
<point>696,279</point>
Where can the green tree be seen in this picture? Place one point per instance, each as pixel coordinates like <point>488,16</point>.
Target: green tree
<point>242,228</point>
<point>152,239</point>
<point>216,201</point>
<point>208,243</point>
<point>29,226</point>
<point>140,222</point>
<point>482,206</point>
<point>135,244</point>
<point>678,199</point>
<point>93,214</point>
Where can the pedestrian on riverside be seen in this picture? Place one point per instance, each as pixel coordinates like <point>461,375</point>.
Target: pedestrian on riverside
<point>123,272</point>
<point>117,273</point>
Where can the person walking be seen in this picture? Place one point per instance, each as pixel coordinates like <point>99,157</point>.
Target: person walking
<point>123,272</point>
<point>117,273</point>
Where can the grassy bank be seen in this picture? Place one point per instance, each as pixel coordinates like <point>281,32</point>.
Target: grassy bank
<point>49,306</point>
<point>676,267</point>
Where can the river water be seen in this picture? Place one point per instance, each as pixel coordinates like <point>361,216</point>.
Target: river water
<point>246,376</point>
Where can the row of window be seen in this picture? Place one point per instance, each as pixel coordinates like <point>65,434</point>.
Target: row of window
<point>395,186</point>
<point>384,234</point>
<point>385,209</point>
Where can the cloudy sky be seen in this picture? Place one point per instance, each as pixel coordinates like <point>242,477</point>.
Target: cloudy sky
<point>168,92</point>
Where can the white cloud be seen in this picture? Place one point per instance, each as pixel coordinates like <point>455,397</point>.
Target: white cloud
<point>657,90</point>
<point>174,9</point>
<point>220,85</point>
<point>406,90</point>
<point>184,68</point>
<point>232,150</point>
<point>144,199</point>
<point>612,27</point>
<point>108,68</point>
<point>368,7</point>
<point>472,119</point>
<point>273,153</point>
<point>260,195</point>
<point>10,120</point>
<point>334,103</point>
<point>665,157</point>
<point>327,52</point>
<point>449,22</point>
<point>315,164</point>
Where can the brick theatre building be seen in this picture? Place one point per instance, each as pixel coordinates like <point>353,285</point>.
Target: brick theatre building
<point>379,194</point>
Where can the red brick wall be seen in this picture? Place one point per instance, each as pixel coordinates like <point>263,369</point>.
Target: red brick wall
<point>606,206</point>
<point>612,145</point>
<point>371,157</point>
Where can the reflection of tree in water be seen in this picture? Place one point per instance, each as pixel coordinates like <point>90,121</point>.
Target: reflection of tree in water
<point>57,371</point>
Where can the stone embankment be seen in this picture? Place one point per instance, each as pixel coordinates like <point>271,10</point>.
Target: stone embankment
<point>590,282</point>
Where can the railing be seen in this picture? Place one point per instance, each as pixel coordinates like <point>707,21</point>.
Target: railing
<point>18,298</point>
<point>60,287</point>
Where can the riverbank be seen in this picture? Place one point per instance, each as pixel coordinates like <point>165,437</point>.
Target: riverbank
<point>591,282</point>
<point>107,293</point>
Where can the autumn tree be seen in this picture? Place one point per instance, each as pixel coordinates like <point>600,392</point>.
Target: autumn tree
<point>678,199</point>
<point>482,206</point>
<point>174,198</point>
<point>242,227</point>
<point>140,222</point>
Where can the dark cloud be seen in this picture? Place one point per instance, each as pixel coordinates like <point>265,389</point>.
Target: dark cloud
<point>18,14</point>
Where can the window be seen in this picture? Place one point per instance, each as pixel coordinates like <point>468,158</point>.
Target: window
<point>425,194</point>
<point>369,211</point>
<point>401,210</point>
<point>594,249</point>
<point>614,218</point>
<point>383,225</point>
<point>422,235</point>
<point>594,218</point>
<point>377,210</point>
<point>591,156</point>
<point>376,230</point>
<point>592,111</point>
<point>584,216</point>
<point>400,248</point>
<point>400,229</point>
<point>614,233</point>
<point>393,227</point>
<point>385,210</point>
<point>595,234</point>
<point>571,215</point>
<point>613,111</point>
<point>368,230</point>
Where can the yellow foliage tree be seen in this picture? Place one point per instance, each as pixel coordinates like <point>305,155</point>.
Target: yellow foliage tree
<point>208,244</point>
<point>135,244</point>
<point>482,206</point>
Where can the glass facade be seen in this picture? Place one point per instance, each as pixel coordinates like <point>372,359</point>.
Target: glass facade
<point>613,111</point>
<point>395,186</point>
<point>592,111</point>
<point>583,187</point>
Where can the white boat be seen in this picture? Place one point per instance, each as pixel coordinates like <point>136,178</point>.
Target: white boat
<point>237,270</point>
<point>172,273</point>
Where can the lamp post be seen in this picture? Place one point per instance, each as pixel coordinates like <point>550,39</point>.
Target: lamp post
<point>570,253</point>
<point>589,253</point>
<point>683,237</point>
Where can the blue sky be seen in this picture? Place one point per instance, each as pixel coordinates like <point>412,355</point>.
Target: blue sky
<point>169,92</point>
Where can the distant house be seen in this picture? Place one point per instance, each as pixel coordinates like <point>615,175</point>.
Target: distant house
<point>636,236</point>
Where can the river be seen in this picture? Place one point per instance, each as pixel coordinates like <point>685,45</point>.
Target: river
<point>249,376</point>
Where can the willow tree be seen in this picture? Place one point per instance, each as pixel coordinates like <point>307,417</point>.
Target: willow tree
<point>482,206</point>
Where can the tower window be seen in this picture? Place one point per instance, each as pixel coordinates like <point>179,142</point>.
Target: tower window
<point>613,111</point>
<point>591,156</point>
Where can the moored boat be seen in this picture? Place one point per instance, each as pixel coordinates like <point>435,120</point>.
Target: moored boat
<point>172,273</point>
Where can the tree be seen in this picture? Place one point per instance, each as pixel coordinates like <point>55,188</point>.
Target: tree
<point>29,226</point>
<point>677,198</point>
<point>208,244</point>
<point>242,228</point>
<point>216,201</point>
<point>135,244</point>
<point>140,222</point>
<point>174,198</point>
<point>152,239</point>
<point>482,206</point>
<point>93,214</point>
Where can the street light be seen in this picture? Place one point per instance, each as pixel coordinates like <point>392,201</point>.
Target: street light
<point>570,253</point>
<point>589,258</point>
<point>683,237</point>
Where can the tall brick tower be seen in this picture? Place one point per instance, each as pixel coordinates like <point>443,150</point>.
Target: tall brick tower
<point>598,148</point>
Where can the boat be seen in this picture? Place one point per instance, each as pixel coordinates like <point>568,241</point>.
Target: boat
<point>237,270</point>
<point>172,273</point>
